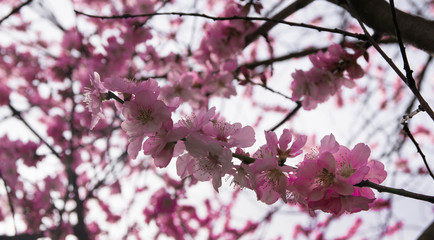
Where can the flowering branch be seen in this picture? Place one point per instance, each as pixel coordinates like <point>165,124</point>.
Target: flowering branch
<point>397,191</point>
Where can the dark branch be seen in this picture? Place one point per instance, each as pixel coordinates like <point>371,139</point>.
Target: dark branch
<point>262,30</point>
<point>376,13</point>
<point>396,191</point>
<point>426,107</point>
<point>301,53</point>
<point>407,68</point>
<point>24,236</point>
<point>290,114</point>
<point>18,115</point>
<point>15,10</point>
<point>419,150</point>
<point>276,21</point>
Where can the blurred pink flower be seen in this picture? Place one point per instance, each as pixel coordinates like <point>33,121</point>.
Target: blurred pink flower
<point>94,97</point>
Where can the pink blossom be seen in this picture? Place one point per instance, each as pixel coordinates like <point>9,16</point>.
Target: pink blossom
<point>218,84</point>
<point>144,115</point>
<point>161,146</point>
<point>376,173</point>
<point>182,86</point>
<point>326,179</point>
<point>280,148</point>
<point>243,176</point>
<point>196,122</point>
<point>271,180</point>
<point>230,135</point>
<point>94,97</point>
<point>338,204</point>
<point>126,86</point>
<point>209,159</point>
<point>313,86</point>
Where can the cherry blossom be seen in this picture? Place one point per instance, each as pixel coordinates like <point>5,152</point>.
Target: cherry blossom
<point>144,115</point>
<point>162,145</point>
<point>94,97</point>
<point>210,160</point>
<point>326,179</point>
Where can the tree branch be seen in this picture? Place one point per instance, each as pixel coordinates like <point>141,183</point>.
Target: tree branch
<point>24,236</point>
<point>425,106</point>
<point>301,53</point>
<point>262,30</point>
<point>396,191</point>
<point>407,131</point>
<point>290,114</point>
<point>18,115</point>
<point>275,21</point>
<point>376,14</point>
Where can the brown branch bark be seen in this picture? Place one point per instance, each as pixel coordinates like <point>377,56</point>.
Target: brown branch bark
<point>415,30</point>
<point>396,191</point>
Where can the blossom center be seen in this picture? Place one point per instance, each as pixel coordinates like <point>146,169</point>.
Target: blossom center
<point>346,170</point>
<point>326,178</point>
<point>274,176</point>
<point>145,116</point>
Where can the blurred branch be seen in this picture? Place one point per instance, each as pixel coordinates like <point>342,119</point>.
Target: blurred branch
<point>24,236</point>
<point>18,115</point>
<point>16,10</point>
<point>11,206</point>
<point>396,191</point>
<point>80,229</point>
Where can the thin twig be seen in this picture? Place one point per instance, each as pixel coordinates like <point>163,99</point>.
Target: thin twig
<point>301,53</point>
<point>290,114</point>
<point>265,87</point>
<point>293,24</point>
<point>419,150</point>
<point>266,27</point>
<point>396,191</point>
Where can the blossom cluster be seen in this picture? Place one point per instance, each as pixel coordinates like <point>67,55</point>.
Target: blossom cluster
<point>331,70</point>
<point>206,148</point>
